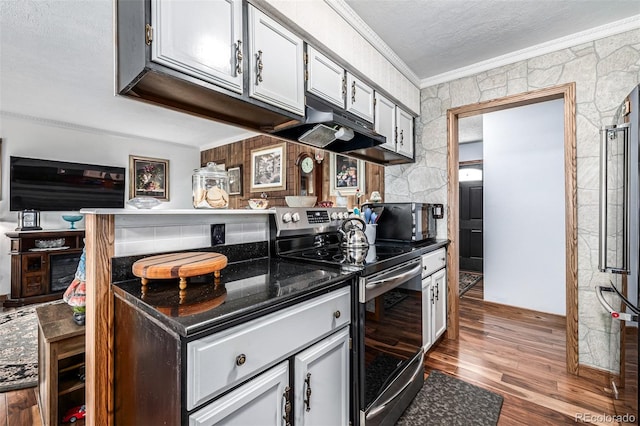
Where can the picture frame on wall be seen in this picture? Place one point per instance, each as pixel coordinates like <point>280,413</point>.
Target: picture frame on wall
<point>346,175</point>
<point>148,177</point>
<point>235,180</point>
<point>268,169</point>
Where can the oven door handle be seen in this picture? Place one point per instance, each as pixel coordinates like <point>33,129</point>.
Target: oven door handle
<point>377,287</point>
<point>374,411</point>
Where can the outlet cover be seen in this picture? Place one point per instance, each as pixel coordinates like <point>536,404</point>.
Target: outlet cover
<point>217,234</point>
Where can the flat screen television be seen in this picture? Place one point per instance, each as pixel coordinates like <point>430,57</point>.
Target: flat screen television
<point>61,186</point>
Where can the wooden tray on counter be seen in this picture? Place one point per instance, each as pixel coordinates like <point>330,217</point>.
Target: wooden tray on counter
<point>179,265</point>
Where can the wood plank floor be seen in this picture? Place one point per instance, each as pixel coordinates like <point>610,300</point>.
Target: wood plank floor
<point>516,353</point>
<point>520,355</point>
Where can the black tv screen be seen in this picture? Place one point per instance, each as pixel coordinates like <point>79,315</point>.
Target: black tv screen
<point>61,186</point>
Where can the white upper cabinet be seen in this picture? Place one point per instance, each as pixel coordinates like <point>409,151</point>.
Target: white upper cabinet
<point>276,63</point>
<point>404,137</point>
<point>325,78</point>
<point>395,124</point>
<point>200,38</point>
<point>359,98</point>
<point>385,121</point>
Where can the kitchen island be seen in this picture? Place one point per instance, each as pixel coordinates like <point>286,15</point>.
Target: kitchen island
<point>227,336</point>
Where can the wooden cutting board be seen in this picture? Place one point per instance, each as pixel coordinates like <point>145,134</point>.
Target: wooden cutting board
<point>179,265</point>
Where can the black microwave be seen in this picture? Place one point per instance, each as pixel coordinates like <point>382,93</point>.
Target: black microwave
<point>406,222</point>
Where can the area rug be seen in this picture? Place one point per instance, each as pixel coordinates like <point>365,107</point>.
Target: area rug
<point>19,348</point>
<point>468,280</point>
<point>447,401</point>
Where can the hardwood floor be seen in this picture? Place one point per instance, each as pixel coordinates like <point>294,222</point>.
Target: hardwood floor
<point>520,355</point>
<point>20,408</point>
<point>516,353</point>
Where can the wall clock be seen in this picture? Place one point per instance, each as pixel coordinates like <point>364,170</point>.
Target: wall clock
<point>309,182</point>
<point>306,165</point>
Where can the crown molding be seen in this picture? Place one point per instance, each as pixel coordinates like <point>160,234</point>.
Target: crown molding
<point>613,28</point>
<point>356,22</point>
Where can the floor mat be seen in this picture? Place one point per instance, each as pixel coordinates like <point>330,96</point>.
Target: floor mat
<point>19,348</point>
<point>447,401</point>
<point>468,280</point>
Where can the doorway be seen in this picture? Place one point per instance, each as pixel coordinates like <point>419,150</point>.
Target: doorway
<point>567,93</point>
<point>471,216</point>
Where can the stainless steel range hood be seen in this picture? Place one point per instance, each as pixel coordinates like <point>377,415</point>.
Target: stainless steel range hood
<point>332,129</point>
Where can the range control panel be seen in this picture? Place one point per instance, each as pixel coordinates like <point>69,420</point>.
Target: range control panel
<point>306,220</point>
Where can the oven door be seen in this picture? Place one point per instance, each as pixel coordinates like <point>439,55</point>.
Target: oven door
<point>391,370</point>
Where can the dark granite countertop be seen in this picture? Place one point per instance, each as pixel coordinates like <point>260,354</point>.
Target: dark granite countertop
<point>246,290</point>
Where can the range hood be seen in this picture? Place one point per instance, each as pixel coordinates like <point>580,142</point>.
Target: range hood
<point>332,129</point>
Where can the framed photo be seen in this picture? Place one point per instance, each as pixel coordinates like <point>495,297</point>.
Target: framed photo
<point>148,177</point>
<point>347,175</point>
<point>235,180</point>
<point>268,169</point>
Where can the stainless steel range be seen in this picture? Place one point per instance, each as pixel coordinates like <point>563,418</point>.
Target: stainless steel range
<point>388,370</point>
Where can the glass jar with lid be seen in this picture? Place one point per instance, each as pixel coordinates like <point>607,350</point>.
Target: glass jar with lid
<point>210,188</point>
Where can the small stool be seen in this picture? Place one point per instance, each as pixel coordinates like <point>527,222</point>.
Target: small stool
<point>179,265</point>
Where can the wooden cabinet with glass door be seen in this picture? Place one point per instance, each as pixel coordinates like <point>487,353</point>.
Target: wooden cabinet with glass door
<point>61,363</point>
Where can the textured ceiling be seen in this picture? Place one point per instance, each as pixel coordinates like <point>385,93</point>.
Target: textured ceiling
<point>437,36</point>
<point>57,56</point>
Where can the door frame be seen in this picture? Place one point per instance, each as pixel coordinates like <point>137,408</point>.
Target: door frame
<point>567,92</point>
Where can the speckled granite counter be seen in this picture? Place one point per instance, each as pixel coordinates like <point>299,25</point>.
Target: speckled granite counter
<point>246,290</point>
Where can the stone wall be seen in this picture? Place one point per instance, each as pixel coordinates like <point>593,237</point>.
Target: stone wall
<point>604,71</point>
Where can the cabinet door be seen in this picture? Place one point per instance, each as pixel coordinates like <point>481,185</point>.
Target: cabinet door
<point>326,79</point>
<point>404,144</point>
<point>359,98</point>
<point>200,38</point>
<point>34,275</point>
<point>385,120</point>
<point>322,382</point>
<point>261,401</point>
<point>276,63</point>
<point>439,285</point>
<point>428,298</point>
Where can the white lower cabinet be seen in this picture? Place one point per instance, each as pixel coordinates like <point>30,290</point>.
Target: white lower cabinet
<point>322,382</point>
<point>434,297</point>
<point>261,401</point>
<point>254,361</point>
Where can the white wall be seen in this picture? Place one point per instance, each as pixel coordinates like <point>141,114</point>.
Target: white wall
<point>470,151</point>
<point>28,138</point>
<point>524,227</point>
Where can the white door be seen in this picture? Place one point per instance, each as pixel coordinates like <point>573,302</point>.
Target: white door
<point>276,63</point>
<point>404,137</point>
<point>326,79</point>
<point>439,284</point>
<point>259,402</point>
<point>322,382</point>
<point>428,297</point>
<point>359,98</point>
<point>385,120</point>
<point>200,38</point>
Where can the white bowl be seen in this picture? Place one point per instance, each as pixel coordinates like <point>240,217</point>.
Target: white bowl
<point>144,202</point>
<point>258,203</point>
<point>300,201</point>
